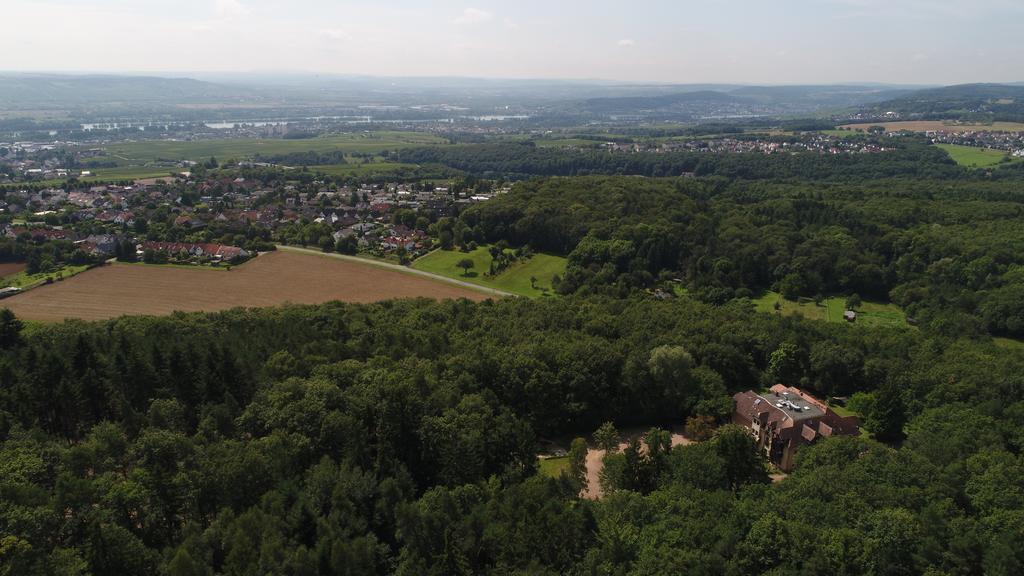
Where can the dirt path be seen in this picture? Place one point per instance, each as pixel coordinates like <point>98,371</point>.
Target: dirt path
<point>397,268</point>
<point>595,458</point>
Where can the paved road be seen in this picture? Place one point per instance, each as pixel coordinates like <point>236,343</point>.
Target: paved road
<point>396,268</point>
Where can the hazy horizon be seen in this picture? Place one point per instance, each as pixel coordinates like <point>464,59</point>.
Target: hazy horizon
<point>903,42</point>
<point>242,76</point>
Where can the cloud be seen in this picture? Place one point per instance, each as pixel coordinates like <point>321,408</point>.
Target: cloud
<point>227,8</point>
<point>510,24</point>
<point>626,43</point>
<point>474,16</point>
<point>336,34</point>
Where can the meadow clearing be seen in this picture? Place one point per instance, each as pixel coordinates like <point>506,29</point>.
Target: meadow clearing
<point>974,157</point>
<point>831,310</point>
<point>15,275</point>
<point>367,170</point>
<point>516,279</point>
<point>271,279</point>
<point>130,173</point>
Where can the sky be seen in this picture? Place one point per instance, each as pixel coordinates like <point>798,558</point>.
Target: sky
<point>679,41</point>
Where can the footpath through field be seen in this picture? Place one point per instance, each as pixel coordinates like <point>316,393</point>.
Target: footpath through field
<point>397,268</point>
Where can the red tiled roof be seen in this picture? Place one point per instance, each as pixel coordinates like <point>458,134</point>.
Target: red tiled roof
<point>210,249</point>
<point>48,233</point>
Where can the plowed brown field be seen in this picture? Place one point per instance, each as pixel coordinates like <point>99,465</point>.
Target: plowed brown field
<point>10,268</point>
<point>272,279</point>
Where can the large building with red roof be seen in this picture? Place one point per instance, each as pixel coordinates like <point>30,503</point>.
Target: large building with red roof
<point>786,418</point>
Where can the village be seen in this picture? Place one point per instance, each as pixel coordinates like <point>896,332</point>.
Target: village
<point>1012,142</point>
<point>225,218</point>
<point>808,143</point>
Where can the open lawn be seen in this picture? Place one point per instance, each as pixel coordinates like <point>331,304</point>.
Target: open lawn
<point>842,411</point>
<point>136,153</point>
<point>554,467</point>
<point>838,132</point>
<point>939,125</point>
<point>269,280</point>
<point>24,280</point>
<point>225,268</point>
<point>1009,344</point>
<point>974,157</point>
<point>516,279</point>
<point>363,170</point>
<point>831,310</point>
<point>568,143</point>
<point>130,173</point>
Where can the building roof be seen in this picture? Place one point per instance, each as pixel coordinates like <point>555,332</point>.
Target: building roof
<point>787,407</point>
<point>782,405</point>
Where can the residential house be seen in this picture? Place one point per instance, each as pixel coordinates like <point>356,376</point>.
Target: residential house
<point>39,234</point>
<point>216,252</point>
<point>116,217</point>
<point>99,244</point>
<point>786,418</point>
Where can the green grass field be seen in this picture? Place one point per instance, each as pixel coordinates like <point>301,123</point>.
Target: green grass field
<point>24,280</point>
<point>138,153</point>
<point>842,411</point>
<point>1008,343</point>
<point>170,265</point>
<point>973,157</point>
<point>129,173</point>
<point>838,132</point>
<point>515,280</point>
<point>554,467</point>
<point>108,174</point>
<point>567,142</point>
<point>358,169</point>
<point>831,310</point>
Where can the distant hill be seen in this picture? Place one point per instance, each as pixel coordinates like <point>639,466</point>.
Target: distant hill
<point>21,91</point>
<point>242,96</point>
<point>703,102</point>
<point>640,104</point>
<point>991,102</point>
<point>823,96</point>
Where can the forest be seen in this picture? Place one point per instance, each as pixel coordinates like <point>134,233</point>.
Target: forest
<point>403,437</point>
<point>400,438</point>
<point>949,252</point>
<point>910,157</point>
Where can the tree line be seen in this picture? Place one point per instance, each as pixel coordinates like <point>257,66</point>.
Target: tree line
<point>907,157</point>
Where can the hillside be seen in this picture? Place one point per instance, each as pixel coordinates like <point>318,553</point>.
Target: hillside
<point>32,90</point>
<point>722,101</point>
<point>993,102</point>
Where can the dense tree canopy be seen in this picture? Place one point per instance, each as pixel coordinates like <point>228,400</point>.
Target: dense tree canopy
<point>401,438</point>
<point>949,252</point>
<point>909,157</point>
